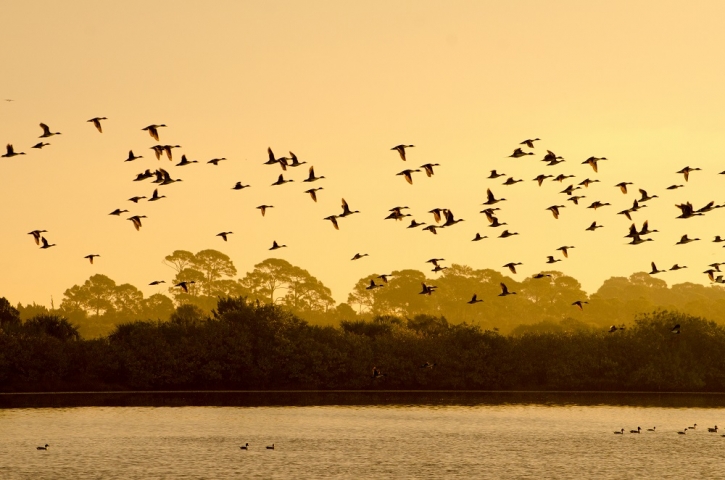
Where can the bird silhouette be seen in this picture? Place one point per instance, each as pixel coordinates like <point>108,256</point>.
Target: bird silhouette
<point>96,121</point>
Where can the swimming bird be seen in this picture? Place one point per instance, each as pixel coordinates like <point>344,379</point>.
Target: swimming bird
<point>136,219</point>
<point>491,200</point>
<point>693,427</point>
<point>224,235</point>
<point>554,209</point>
<point>153,131</point>
<point>90,257</point>
<point>359,256</point>
<point>623,186</point>
<point>639,429</point>
<point>676,330</point>
<point>654,270</point>
<point>593,226</point>
<point>333,219</point>
<point>263,208</point>
<point>245,446</point>
<point>239,186</point>
<point>155,196</point>
<point>512,266</point>
<point>215,161</point>
<point>621,432</point>
<point>565,250</point>
<point>652,429</point>
<point>40,145</point>
<point>47,132</point>
<point>552,260</point>
<point>505,291</point>
<point>185,285</point>
<point>313,193</point>
<point>519,153</point>
<point>401,150</point>
<point>281,180</point>
<point>36,235</point>
<point>684,240</point>
<point>686,172</point>
<point>529,142</point>
<point>511,181</point>
<point>712,430</point>
<point>45,243</point>
<point>43,448</point>
<point>478,237</point>
<point>408,175</point>
<point>541,178</point>
<point>474,300</point>
<point>495,174</point>
<point>275,246</point>
<point>97,122</point>
<point>11,152</point>
<point>157,282</point>
<point>683,432</point>
<point>414,224</point>
<point>346,210</point>
<point>613,329</point>
<point>507,234</point>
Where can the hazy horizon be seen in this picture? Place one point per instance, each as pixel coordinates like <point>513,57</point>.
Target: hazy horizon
<point>339,84</point>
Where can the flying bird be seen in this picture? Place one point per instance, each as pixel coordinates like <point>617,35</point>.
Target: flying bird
<point>97,123</point>
<point>40,145</point>
<point>136,219</point>
<point>224,235</point>
<point>401,149</point>
<point>153,131</point>
<point>185,285</point>
<point>91,257</point>
<point>46,131</point>
<point>11,151</point>
<point>313,193</point>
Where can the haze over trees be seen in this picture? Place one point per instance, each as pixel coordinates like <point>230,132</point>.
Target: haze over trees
<point>545,304</point>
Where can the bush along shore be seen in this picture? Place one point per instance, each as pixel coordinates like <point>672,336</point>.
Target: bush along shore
<point>243,345</point>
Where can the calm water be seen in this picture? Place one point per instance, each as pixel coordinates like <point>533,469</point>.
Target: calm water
<point>354,436</point>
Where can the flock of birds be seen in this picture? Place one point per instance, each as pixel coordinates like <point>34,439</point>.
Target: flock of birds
<point>679,432</point>
<point>442,217</point>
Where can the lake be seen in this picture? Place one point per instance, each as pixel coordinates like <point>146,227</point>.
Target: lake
<point>360,435</point>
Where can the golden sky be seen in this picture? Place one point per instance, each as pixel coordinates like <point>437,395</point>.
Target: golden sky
<point>339,84</point>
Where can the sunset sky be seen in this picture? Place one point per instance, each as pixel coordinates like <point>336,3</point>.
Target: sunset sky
<point>339,84</point>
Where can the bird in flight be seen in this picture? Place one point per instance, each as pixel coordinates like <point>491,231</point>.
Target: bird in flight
<point>401,150</point>
<point>474,300</point>
<point>40,145</point>
<point>153,131</point>
<point>11,151</point>
<point>530,142</point>
<point>263,208</point>
<point>185,285</point>
<point>313,194</point>
<point>45,243</point>
<point>215,161</point>
<point>224,235</point>
<point>136,219</point>
<point>91,257</point>
<point>275,246</point>
<point>97,122</point>
<point>36,235</point>
<point>46,131</point>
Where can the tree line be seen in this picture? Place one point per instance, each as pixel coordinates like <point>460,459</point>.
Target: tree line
<point>246,345</point>
<point>545,304</point>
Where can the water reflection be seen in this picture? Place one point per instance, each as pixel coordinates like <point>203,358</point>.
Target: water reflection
<point>358,398</point>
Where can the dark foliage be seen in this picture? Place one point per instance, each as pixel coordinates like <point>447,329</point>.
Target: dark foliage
<point>245,345</point>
